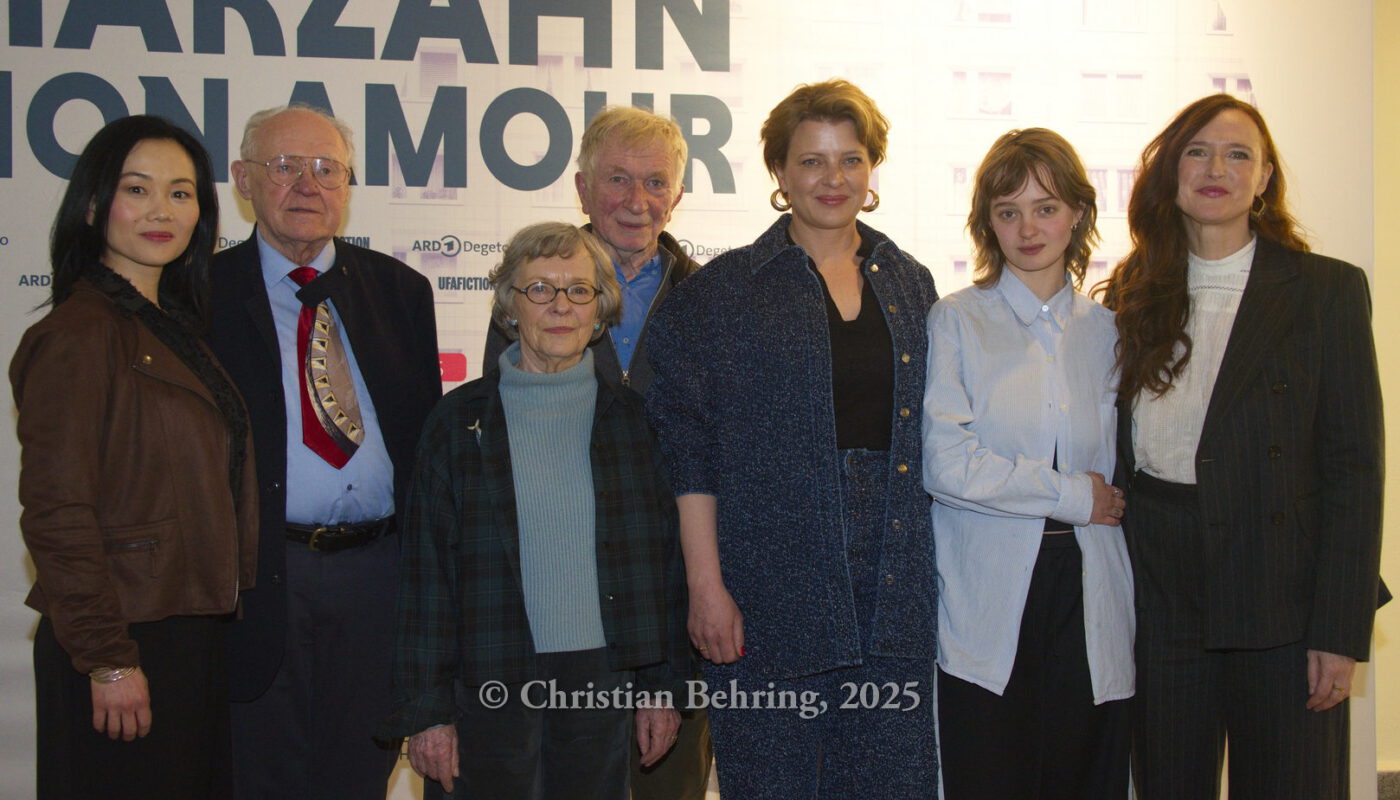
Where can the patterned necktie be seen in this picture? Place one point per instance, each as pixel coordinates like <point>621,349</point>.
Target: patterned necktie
<point>330,415</point>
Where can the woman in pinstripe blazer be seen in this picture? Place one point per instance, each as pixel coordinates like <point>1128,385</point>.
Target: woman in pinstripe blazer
<point>1250,440</point>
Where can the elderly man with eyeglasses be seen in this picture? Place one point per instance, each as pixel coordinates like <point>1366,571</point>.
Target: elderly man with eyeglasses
<point>334,349</point>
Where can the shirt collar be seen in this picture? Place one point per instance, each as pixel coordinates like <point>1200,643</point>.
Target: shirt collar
<point>776,242</point>
<point>1027,306</point>
<point>275,266</point>
<point>652,266</point>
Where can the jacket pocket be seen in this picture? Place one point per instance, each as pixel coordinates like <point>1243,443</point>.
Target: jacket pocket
<point>134,553</point>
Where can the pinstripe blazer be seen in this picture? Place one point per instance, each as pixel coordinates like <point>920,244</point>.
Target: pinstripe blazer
<point>1290,462</point>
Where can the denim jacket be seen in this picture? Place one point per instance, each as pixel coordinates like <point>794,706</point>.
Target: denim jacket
<point>742,404</point>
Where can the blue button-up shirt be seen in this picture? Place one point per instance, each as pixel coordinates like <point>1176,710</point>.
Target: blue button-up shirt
<point>637,297</point>
<point>318,493</point>
<point>1015,383</point>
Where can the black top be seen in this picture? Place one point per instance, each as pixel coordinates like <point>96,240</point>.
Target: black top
<point>862,369</point>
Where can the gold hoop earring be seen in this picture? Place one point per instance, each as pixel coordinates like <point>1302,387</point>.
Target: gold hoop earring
<point>1262,206</point>
<point>874,201</point>
<point>773,201</point>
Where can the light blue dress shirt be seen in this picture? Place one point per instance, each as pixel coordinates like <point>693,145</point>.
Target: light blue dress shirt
<point>637,296</point>
<point>1012,382</point>
<point>318,493</point>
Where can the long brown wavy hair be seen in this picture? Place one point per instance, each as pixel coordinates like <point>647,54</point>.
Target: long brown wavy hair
<point>1147,289</point>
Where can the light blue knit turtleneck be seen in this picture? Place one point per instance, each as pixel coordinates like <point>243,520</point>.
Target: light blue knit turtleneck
<point>550,419</point>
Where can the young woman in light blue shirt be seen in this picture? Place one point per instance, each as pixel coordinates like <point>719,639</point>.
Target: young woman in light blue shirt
<point>1035,626</point>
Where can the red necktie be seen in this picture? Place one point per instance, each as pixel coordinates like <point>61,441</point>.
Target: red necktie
<point>318,432</point>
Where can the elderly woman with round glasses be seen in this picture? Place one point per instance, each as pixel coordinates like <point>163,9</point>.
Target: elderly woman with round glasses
<point>540,555</point>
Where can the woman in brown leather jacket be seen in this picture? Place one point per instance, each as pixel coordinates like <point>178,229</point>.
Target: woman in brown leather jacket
<point>136,479</point>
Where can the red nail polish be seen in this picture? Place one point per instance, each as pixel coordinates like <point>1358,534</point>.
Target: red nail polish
<point>743,651</point>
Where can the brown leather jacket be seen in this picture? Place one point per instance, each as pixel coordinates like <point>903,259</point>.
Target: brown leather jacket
<point>124,482</point>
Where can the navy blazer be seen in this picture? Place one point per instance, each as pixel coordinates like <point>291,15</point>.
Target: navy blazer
<point>1290,464</point>
<point>387,312</point>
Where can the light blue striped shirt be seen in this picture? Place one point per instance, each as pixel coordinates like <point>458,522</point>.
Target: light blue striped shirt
<point>1014,383</point>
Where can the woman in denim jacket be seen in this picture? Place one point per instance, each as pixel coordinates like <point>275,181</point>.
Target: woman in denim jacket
<point>789,375</point>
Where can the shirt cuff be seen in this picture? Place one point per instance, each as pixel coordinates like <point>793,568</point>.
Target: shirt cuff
<point>1076,499</point>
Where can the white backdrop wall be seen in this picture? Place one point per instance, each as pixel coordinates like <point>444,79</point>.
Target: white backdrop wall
<point>468,112</point>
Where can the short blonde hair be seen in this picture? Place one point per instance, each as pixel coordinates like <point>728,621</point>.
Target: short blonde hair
<point>829,101</point>
<point>632,127</point>
<point>548,240</point>
<point>1013,159</point>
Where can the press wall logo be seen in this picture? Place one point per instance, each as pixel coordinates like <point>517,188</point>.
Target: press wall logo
<point>450,246</point>
<point>701,252</point>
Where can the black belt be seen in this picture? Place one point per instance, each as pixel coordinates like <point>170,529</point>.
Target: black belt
<point>1153,486</point>
<point>330,538</point>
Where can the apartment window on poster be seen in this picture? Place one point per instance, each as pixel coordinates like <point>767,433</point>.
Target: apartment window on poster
<point>434,70</point>
<point>434,264</point>
<point>1113,15</point>
<point>1126,179</point>
<point>982,12</point>
<point>550,65</point>
<point>434,192</point>
<point>1238,86</point>
<point>1111,96</point>
<point>982,94</point>
<point>960,202</point>
<point>1219,23</point>
<point>431,265</point>
<point>1099,179</point>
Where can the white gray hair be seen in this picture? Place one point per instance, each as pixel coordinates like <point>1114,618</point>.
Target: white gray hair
<point>247,149</point>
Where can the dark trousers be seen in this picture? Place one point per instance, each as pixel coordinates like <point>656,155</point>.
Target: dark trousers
<point>1190,700</point>
<point>882,743</point>
<point>186,754</point>
<point>684,772</point>
<point>310,735</point>
<point>522,751</point>
<point>1042,738</point>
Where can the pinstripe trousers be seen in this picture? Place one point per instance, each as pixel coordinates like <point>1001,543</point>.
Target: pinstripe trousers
<point>1190,701</point>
